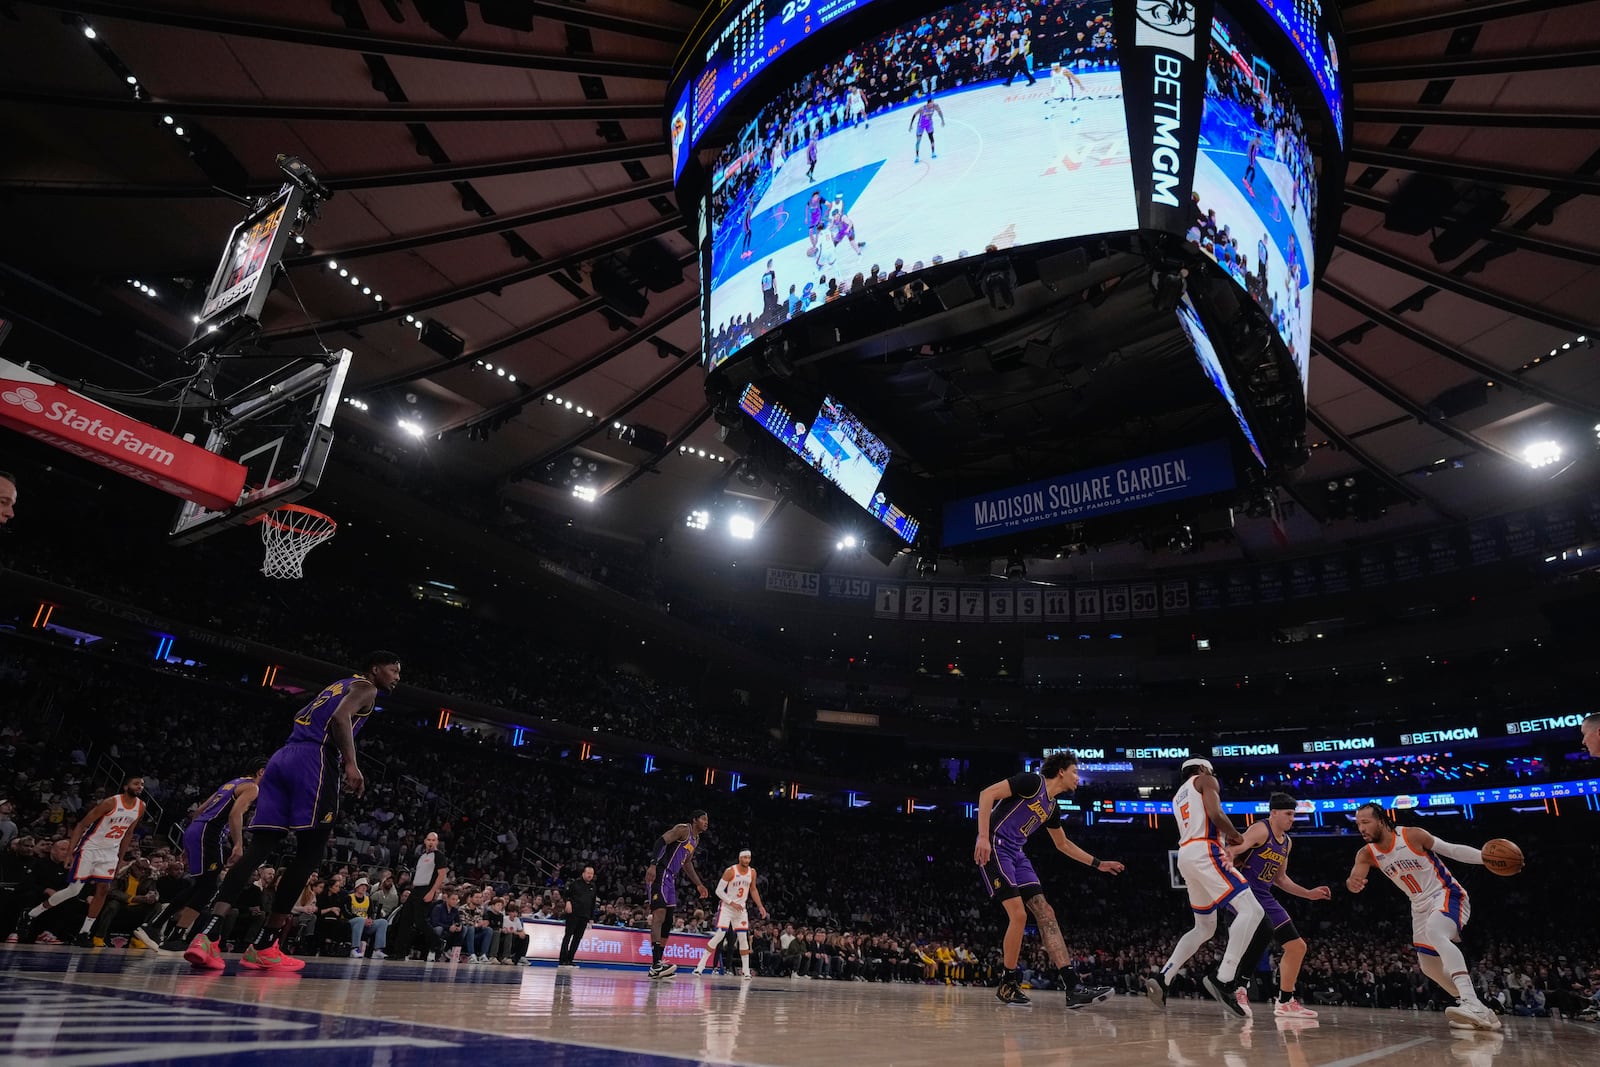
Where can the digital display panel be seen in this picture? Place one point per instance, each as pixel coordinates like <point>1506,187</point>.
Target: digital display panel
<point>756,34</point>
<point>964,130</point>
<point>242,261</point>
<point>678,136</point>
<point>1255,187</point>
<point>845,452</point>
<point>1393,801</point>
<point>841,444</point>
<point>1207,353</point>
<point>1312,34</point>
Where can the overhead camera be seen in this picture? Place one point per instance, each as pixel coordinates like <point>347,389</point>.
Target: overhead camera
<point>295,169</point>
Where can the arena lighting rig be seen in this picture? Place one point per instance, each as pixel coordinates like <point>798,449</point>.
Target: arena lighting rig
<point>1012,278</point>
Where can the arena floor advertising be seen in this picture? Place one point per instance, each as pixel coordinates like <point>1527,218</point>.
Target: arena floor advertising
<point>107,1007</point>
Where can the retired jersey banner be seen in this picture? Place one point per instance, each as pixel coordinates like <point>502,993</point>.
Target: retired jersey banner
<point>801,583</point>
<point>1135,483</point>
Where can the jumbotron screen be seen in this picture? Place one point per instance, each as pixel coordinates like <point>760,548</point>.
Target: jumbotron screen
<point>972,127</point>
<point>1195,330</point>
<point>1255,186</point>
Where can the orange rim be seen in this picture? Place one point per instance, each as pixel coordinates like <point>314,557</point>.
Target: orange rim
<point>297,509</point>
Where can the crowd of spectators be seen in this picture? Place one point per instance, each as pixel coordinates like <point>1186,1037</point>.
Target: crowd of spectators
<point>868,894</point>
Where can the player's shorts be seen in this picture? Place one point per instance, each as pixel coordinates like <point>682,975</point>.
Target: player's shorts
<point>1276,915</point>
<point>1008,874</point>
<point>1211,880</point>
<point>202,846</point>
<point>1453,904</point>
<point>663,891</point>
<point>299,789</point>
<point>735,919</point>
<point>95,862</point>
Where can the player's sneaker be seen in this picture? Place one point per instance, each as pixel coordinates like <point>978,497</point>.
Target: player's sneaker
<point>1011,993</point>
<point>1155,987</point>
<point>270,958</point>
<point>1084,995</point>
<point>1235,1000</point>
<point>746,975</point>
<point>1293,1009</point>
<point>142,936</point>
<point>204,954</point>
<point>1473,1015</point>
<point>379,954</point>
<point>24,932</point>
<point>656,970</point>
<point>83,940</point>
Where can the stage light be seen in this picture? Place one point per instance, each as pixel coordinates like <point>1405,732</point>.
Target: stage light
<point>366,290</point>
<point>511,377</point>
<point>549,396</point>
<point>178,130</point>
<point>413,428</point>
<point>501,372</point>
<point>132,80</point>
<point>168,119</point>
<point>196,319</point>
<point>1541,454</point>
<point>344,273</point>
<point>354,280</point>
<point>411,318</point>
<point>333,265</point>
<point>742,527</point>
<point>585,493</point>
<point>88,31</point>
<point>569,405</point>
<point>698,519</point>
<point>377,298</point>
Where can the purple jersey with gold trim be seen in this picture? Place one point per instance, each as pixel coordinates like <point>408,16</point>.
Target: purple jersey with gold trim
<point>218,804</point>
<point>683,850</point>
<point>315,721</point>
<point>1027,808</point>
<point>1265,862</point>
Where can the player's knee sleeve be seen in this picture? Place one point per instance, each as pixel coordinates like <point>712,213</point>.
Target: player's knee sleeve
<point>744,941</point>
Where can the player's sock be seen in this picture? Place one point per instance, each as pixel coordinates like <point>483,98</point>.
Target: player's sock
<point>267,936</point>
<point>209,926</point>
<point>656,949</point>
<point>1067,977</point>
<point>88,924</point>
<point>1285,995</point>
<point>35,912</point>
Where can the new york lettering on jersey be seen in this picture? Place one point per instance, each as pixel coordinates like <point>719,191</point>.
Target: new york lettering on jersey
<point>314,723</point>
<point>1417,871</point>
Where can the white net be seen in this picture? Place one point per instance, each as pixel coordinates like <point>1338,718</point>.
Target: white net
<point>289,533</point>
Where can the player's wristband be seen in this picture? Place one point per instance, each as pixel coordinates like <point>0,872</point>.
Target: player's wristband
<point>1094,862</point>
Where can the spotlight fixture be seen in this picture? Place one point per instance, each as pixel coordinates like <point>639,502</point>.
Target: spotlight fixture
<point>585,493</point>
<point>1541,454</point>
<point>698,519</point>
<point>411,427</point>
<point>741,527</point>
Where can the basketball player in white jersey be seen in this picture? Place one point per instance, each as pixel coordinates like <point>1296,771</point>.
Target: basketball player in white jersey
<point>1203,830</point>
<point>1409,857</point>
<point>99,842</point>
<point>736,890</point>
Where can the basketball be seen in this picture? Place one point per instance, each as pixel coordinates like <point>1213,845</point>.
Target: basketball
<point>1502,857</point>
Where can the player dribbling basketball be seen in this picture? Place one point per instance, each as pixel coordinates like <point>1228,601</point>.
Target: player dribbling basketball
<point>1409,857</point>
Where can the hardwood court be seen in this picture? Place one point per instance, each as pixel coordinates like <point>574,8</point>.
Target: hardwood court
<point>103,1008</point>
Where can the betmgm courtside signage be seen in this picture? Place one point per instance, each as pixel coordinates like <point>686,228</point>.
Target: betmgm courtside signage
<point>1163,83</point>
<point>36,406</point>
<point>1135,483</point>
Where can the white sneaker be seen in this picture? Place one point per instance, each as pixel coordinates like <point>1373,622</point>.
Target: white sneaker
<point>147,939</point>
<point>747,976</point>
<point>379,954</point>
<point>1293,1009</point>
<point>355,954</point>
<point>1472,1014</point>
<point>698,972</point>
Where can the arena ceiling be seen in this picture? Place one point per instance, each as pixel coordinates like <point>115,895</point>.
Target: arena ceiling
<point>480,174</point>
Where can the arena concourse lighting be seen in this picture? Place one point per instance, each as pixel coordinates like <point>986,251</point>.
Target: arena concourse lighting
<point>742,527</point>
<point>585,493</point>
<point>698,519</point>
<point>412,428</point>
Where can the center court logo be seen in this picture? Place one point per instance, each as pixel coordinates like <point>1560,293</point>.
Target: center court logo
<point>24,398</point>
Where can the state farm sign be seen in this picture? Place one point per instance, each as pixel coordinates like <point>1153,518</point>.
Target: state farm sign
<point>61,418</point>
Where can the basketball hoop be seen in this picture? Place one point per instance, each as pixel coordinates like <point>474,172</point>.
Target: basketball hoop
<point>289,533</point>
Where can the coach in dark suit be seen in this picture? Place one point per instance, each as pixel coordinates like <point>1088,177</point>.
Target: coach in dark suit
<point>580,908</point>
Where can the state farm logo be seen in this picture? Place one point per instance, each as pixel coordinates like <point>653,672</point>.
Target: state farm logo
<point>24,398</point>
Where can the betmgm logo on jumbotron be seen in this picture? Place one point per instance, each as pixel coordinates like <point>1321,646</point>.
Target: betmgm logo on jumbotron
<point>1168,27</point>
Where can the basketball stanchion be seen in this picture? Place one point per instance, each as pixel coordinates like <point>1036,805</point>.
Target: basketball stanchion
<point>289,533</point>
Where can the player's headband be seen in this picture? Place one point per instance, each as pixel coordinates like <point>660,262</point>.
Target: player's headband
<point>744,854</point>
<point>1203,764</point>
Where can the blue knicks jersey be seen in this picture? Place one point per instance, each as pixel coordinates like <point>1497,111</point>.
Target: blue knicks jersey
<point>314,723</point>
<point>219,803</point>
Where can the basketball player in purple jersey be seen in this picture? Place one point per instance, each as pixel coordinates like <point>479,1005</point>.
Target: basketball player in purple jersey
<point>1008,812</point>
<point>816,219</point>
<point>202,850</point>
<point>1251,152</point>
<point>299,793</point>
<point>1263,859</point>
<point>674,852</point>
<point>922,122</point>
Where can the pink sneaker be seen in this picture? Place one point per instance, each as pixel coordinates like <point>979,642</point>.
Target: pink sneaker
<point>203,954</point>
<point>270,958</point>
<point>1293,1009</point>
<point>1241,997</point>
